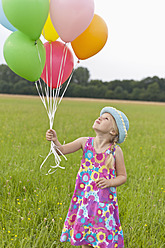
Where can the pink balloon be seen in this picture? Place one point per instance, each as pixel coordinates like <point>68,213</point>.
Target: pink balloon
<point>59,64</point>
<point>71,17</point>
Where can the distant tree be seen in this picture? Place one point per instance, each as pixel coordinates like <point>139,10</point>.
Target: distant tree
<point>78,90</point>
<point>135,95</point>
<point>93,91</point>
<point>95,82</point>
<point>109,94</point>
<point>6,87</point>
<point>118,92</point>
<point>81,76</point>
<point>153,91</point>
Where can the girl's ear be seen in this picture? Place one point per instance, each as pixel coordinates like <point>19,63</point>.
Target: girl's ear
<point>112,132</point>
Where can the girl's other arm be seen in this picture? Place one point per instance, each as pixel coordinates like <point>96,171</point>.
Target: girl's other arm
<point>68,148</point>
<point>121,175</point>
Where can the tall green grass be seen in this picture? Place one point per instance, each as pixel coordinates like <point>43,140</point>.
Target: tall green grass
<point>33,206</point>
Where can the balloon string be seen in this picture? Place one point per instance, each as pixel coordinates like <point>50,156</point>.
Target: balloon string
<point>41,96</point>
<point>59,78</point>
<point>53,147</point>
<point>38,53</point>
<point>65,56</point>
<point>57,158</point>
<point>68,83</point>
<point>51,73</point>
<point>54,96</point>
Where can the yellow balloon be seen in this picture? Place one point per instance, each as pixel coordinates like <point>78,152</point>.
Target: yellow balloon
<point>92,40</point>
<point>49,31</point>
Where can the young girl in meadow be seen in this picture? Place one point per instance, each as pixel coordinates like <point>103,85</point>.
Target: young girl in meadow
<point>93,216</point>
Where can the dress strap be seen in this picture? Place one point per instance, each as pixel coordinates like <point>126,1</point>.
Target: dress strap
<point>88,144</point>
<point>92,142</point>
<point>113,152</point>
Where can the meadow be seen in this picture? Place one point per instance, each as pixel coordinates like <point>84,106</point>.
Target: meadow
<point>33,206</point>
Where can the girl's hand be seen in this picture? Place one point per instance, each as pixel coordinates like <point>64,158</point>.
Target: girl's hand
<point>103,183</point>
<point>51,135</point>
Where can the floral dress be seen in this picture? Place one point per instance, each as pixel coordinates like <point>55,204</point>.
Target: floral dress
<point>93,216</point>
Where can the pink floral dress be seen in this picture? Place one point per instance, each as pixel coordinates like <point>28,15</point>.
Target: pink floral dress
<point>93,216</point>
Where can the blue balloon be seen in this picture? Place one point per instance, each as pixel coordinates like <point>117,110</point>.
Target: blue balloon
<point>4,21</point>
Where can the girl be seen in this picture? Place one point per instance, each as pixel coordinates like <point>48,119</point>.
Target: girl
<point>93,217</point>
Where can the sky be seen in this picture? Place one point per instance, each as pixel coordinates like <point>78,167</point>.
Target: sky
<point>135,48</point>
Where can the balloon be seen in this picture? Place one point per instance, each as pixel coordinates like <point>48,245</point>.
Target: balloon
<point>49,31</point>
<point>92,40</point>
<point>24,56</point>
<point>27,16</point>
<point>3,20</point>
<point>56,52</point>
<point>71,17</point>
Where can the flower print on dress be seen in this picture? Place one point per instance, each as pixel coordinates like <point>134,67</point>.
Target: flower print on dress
<point>79,187</point>
<point>103,206</point>
<point>91,196</point>
<point>95,175</point>
<point>77,235</point>
<point>99,158</point>
<point>104,170</point>
<point>101,236</point>
<point>108,152</point>
<point>110,236</point>
<point>74,199</point>
<point>110,222</point>
<point>105,195</point>
<point>64,237</point>
<point>84,176</point>
<point>82,211</point>
<point>87,165</point>
<point>89,155</point>
<point>91,238</point>
<point>92,207</point>
<point>71,219</point>
<point>102,245</point>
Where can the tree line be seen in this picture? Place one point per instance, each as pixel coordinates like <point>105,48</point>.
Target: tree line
<point>147,89</point>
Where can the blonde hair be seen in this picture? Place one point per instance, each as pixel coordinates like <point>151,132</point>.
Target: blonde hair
<point>110,159</point>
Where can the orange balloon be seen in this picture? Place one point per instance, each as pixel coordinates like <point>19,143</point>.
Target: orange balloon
<point>92,40</point>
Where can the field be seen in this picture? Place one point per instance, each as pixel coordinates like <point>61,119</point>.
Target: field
<point>33,206</point>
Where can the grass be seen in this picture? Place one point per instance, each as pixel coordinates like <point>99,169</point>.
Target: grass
<point>33,206</point>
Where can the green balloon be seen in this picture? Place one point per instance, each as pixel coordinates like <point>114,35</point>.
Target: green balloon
<point>28,16</point>
<point>24,56</point>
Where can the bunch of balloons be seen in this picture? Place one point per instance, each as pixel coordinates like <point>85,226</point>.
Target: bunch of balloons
<point>72,20</point>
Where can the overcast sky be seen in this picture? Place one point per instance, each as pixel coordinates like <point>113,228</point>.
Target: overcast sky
<point>136,43</point>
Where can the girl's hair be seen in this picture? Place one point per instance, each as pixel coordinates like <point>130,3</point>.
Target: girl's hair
<point>110,159</point>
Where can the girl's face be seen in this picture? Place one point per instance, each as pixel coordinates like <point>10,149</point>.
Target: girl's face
<point>105,123</point>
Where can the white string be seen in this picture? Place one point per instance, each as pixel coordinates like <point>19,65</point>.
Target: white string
<point>59,78</point>
<point>50,102</point>
<point>68,83</point>
<point>65,56</point>
<point>51,83</point>
<point>53,148</point>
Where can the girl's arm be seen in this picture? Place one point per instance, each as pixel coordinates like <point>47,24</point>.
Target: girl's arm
<point>121,175</point>
<point>68,148</point>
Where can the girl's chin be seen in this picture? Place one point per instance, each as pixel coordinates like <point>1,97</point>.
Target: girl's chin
<point>94,127</point>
